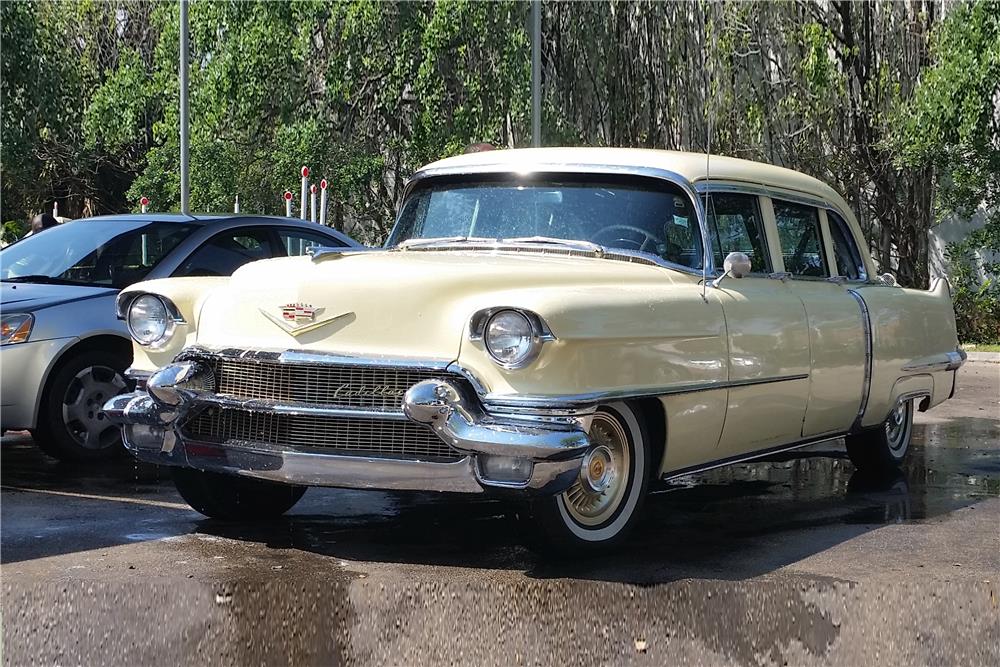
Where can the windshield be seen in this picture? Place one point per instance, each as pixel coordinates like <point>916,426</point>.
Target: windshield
<point>107,253</point>
<point>632,214</point>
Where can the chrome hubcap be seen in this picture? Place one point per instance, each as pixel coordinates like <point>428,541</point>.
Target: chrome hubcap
<point>82,403</point>
<point>600,488</point>
<point>898,426</point>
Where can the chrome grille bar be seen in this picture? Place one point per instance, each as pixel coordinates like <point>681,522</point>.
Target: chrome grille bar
<point>349,435</point>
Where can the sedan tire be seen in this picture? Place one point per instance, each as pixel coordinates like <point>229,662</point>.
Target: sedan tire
<point>604,503</point>
<point>71,425</point>
<point>233,498</point>
<point>880,450</point>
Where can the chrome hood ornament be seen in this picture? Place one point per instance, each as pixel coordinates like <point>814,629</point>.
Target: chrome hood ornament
<point>299,318</point>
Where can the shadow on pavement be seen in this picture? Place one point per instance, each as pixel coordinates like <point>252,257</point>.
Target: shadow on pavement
<point>727,524</point>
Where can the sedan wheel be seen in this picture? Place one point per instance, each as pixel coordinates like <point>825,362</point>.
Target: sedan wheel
<point>602,505</point>
<point>71,425</point>
<point>880,450</point>
<point>82,403</point>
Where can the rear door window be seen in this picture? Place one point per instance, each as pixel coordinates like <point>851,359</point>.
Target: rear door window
<point>801,242</point>
<point>227,251</point>
<point>735,225</point>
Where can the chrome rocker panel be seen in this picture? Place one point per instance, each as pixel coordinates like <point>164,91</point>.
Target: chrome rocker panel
<point>152,418</point>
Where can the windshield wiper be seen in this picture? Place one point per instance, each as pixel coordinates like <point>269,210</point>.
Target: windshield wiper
<point>550,240</point>
<point>443,240</point>
<point>43,279</point>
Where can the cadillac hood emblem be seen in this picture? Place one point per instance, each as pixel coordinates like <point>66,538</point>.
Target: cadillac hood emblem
<point>298,318</point>
<point>299,312</point>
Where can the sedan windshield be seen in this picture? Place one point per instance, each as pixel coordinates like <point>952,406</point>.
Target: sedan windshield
<point>109,253</point>
<point>634,214</point>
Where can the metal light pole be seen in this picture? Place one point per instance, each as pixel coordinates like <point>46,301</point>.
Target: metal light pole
<point>536,73</point>
<point>185,51</point>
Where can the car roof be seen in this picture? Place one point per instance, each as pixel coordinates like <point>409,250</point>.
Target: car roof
<point>693,167</point>
<point>200,218</point>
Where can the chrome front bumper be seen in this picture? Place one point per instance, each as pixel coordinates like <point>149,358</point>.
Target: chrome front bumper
<point>533,454</point>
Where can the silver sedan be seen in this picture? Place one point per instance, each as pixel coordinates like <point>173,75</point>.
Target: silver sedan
<point>62,350</point>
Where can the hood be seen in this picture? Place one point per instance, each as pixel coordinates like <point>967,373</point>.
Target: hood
<point>414,304</point>
<point>29,297</point>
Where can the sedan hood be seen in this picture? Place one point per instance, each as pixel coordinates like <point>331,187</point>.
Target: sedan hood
<point>30,297</point>
<point>414,304</point>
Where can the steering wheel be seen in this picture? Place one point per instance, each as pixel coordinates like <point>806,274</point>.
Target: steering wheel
<point>641,245</point>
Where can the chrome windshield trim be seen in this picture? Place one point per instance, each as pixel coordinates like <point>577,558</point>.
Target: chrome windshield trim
<point>310,357</point>
<point>565,168</point>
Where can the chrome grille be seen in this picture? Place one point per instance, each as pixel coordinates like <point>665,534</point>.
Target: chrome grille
<point>347,435</point>
<point>365,387</point>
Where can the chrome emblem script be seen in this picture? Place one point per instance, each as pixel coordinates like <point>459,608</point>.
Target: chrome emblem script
<point>298,318</point>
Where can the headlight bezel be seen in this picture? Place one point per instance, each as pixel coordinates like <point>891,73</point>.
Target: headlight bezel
<point>539,332</point>
<point>171,320</point>
<point>20,330</point>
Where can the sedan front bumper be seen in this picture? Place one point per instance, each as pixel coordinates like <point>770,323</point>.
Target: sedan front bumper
<point>529,454</point>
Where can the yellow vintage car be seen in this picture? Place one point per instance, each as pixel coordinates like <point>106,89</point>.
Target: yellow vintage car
<point>560,325</point>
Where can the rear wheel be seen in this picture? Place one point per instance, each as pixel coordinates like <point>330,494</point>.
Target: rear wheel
<point>882,449</point>
<point>602,506</point>
<point>71,425</point>
<point>234,498</point>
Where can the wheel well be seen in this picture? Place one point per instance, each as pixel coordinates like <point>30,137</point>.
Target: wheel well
<point>103,342</point>
<point>651,410</point>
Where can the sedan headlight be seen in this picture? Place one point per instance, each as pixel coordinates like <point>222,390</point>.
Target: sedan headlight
<point>509,338</point>
<point>149,320</point>
<point>15,328</point>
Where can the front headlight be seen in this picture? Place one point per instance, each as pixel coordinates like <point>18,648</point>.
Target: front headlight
<point>509,338</point>
<point>149,321</point>
<point>15,328</point>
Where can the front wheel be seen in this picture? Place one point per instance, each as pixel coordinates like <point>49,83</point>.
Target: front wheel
<point>233,498</point>
<point>602,506</point>
<point>881,449</point>
<point>71,425</point>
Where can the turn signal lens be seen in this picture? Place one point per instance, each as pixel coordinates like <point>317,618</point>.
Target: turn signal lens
<point>16,328</point>
<point>507,469</point>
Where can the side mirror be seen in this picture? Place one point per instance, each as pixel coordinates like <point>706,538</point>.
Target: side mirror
<point>737,265</point>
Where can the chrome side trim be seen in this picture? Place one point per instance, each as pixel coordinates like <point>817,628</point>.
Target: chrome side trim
<point>720,463</point>
<point>501,402</point>
<point>566,168</point>
<point>308,357</point>
<point>539,327</point>
<point>949,361</point>
<point>866,323</point>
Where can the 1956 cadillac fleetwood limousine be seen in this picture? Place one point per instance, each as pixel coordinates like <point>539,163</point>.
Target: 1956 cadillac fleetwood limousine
<point>563,325</point>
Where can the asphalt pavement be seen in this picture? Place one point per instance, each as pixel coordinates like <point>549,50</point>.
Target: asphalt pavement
<point>795,560</point>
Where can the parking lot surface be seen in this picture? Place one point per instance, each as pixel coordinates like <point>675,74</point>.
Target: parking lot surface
<point>794,560</point>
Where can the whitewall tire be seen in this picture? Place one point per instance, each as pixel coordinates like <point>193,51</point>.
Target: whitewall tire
<point>603,504</point>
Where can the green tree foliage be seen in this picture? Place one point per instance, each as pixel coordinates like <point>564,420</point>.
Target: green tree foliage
<point>364,92</point>
<point>952,125</point>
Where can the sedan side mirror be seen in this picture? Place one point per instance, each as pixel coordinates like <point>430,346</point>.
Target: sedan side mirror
<point>737,265</point>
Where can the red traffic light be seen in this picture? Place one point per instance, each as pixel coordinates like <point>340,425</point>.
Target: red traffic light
<point>288,195</point>
<point>305,172</point>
